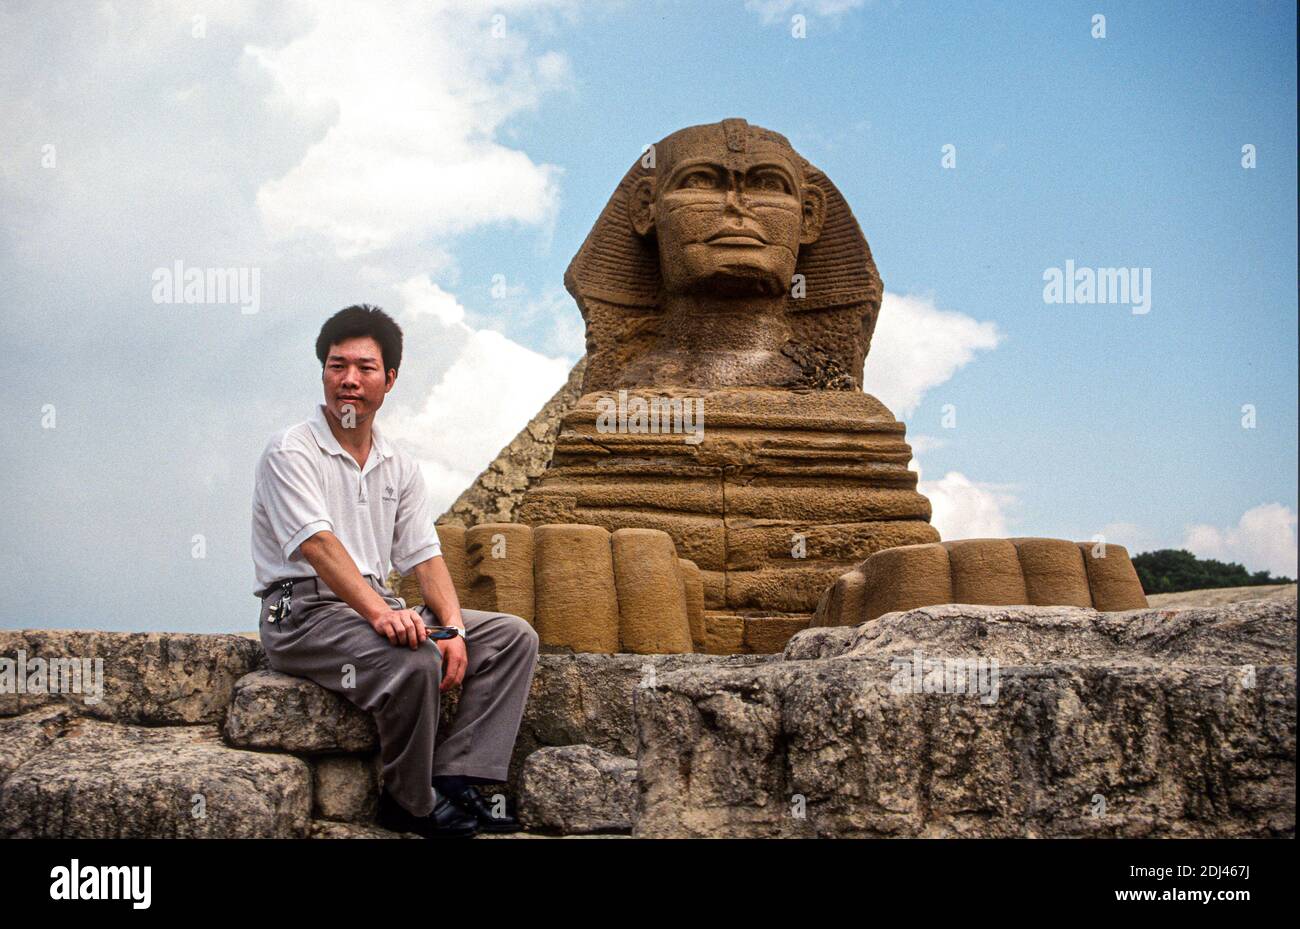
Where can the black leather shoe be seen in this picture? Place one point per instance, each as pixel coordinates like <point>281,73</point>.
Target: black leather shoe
<point>447,819</point>
<point>469,801</point>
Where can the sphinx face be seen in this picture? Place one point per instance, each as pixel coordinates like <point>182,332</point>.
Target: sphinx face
<point>730,223</point>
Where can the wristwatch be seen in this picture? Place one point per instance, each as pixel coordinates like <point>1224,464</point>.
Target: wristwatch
<point>447,632</point>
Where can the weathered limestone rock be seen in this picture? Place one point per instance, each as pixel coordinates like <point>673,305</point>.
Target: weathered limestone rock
<point>651,593</point>
<point>990,572</point>
<point>1052,575</point>
<point>1139,723</point>
<point>345,787</point>
<point>766,635</point>
<point>694,589</point>
<point>782,495</point>
<point>23,736</point>
<point>580,587</point>
<point>146,677</point>
<point>577,603</point>
<point>325,829</point>
<point>724,633</point>
<point>499,566</point>
<point>1219,596</point>
<point>574,699</point>
<point>587,699</point>
<point>105,780</point>
<point>576,789</point>
<point>280,712</point>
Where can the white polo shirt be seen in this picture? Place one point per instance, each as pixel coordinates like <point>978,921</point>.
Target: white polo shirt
<point>306,482</point>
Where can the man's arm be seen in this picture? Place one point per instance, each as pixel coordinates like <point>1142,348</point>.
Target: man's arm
<point>416,550</point>
<point>332,562</point>
<point>440,597</point>
<point>438,591</point>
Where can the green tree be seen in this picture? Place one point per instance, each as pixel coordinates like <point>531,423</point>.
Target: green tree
<point>1171,570</point>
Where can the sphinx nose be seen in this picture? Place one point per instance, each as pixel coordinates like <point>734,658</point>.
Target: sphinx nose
<point>735,204</point>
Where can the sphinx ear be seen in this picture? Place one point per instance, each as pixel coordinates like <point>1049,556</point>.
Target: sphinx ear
<point>814,214</point>
<point>641,206</point>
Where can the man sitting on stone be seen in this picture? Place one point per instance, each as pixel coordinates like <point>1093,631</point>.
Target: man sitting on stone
<point>333,505</point>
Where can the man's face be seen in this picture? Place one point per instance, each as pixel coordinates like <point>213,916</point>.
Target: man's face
<point>355,379</point>
<point>730,222</point>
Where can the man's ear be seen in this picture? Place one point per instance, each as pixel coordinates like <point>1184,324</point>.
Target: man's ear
<point>814,214</point>
<point>641,206</point>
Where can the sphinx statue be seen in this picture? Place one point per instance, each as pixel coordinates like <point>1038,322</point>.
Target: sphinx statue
<point>727,273</point>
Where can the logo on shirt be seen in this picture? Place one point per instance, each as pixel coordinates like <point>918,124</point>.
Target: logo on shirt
<point>390,495</point>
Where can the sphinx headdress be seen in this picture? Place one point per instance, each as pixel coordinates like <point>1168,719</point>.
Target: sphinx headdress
<point>615,278</point>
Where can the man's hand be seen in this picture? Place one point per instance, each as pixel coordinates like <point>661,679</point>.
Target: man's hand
<point>454,660</point>
<point>403,627</point>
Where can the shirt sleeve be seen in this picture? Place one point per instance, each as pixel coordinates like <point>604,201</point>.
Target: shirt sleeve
<point>293,496</point>
<point>414,538</point>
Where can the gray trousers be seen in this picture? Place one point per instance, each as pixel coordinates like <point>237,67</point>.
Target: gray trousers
<point>322,636</point>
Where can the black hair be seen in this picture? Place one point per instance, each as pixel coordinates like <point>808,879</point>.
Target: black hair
<point>362,320</point>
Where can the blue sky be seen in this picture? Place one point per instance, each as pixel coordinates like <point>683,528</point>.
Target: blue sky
<point>404,155</point>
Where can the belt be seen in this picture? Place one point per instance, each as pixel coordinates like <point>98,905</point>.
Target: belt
<point>293,582</point>
<point>288,582</point>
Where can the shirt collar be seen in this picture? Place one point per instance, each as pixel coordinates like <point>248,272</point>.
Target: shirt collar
<point>320,428</point>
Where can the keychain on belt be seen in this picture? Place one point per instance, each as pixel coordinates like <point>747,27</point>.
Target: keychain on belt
<point>285,603</point>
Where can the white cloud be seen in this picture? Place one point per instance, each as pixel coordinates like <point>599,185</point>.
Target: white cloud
<point>551,318</point>
<point>1134,538</point>
<point>490,391</point>
<point>917,347</point>
<point>419,94</point>
<point>966,509</point>
<point>771,10</point>
<point>922,444</point>
<point>1264,539</point>
<point>421,297</point>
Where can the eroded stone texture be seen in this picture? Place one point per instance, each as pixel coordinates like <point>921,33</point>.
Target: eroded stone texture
<point>989,572</point>
<point>326,829</point>
<point>576,789</point>
<point>784,493</point>
<point>25,735</point>
<point>345,787</point>
<point>693,586</point>
<point>499,568</point>
<point>577,602</point>
<point>1140,723</point>
<point>156,678</point>
<point>106,780</point>
<point>280,712</point>
<point>651,593</point>
<point>587,699</point>
<point>574,699</point>
<point>581,587</point>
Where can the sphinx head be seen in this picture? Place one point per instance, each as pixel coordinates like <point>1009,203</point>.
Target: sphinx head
<point>728,206</point>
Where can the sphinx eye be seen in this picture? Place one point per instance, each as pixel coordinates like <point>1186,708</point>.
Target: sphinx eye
<point>768,181</point>
<point>699,180</point>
